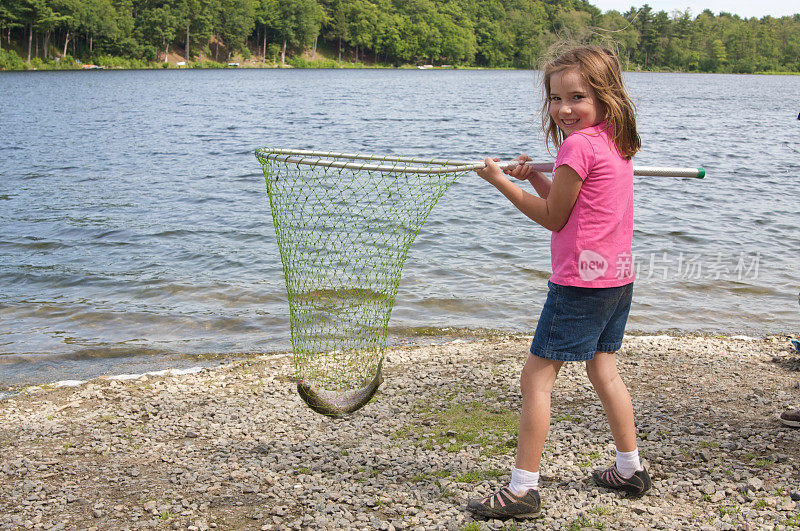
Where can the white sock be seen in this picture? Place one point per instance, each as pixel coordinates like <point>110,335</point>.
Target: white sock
<point>628,463</point>
<point>522,481</point>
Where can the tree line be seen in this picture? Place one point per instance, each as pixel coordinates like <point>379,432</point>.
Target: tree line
<point>489,33</point>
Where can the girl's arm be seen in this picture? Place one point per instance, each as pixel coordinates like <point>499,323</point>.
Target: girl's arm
<point>541,184</point>
<point>553,212</point>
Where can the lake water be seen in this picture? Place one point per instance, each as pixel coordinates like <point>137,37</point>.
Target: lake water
<point>135,231</point>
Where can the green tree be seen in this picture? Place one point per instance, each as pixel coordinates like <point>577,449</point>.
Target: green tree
<point>97,19</point>
<point>719,53</point>
<point>9,18</point>
<point>644,22</point>
<point>362,23</point>
<point>31,14</point>
<point>527,25</point>
<point>124,42</point>
<point>623,33</point>
<point>339,28</point>
<point>494,44</point>
<point>299,23</point>
<point>662,27</point>
<point>158,25</point>
<point>186,11</point>
<point>389,40</point>
<point>573,25</point>
<point>420,31</point>
<point>47,20</point>
<point>267,13</point>
<point>235,23</point>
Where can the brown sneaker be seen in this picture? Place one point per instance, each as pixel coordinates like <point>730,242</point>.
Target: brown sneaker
<point>634,486</point>
<point>505,504</point>
<point>791,418</point>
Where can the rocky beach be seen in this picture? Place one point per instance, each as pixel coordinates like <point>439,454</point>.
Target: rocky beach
<point>234,447</point>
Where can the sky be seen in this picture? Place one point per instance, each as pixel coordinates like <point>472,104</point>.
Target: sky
<point>743,8</point>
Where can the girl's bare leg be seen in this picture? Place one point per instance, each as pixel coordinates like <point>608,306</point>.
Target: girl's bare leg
<point>602,372</point>
<point>538,377</point>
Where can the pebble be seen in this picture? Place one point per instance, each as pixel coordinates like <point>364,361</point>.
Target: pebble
<point>235,446</point>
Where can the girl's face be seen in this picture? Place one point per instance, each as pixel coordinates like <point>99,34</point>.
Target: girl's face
<point>573,103</point>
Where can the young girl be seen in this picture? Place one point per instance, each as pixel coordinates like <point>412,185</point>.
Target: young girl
<point>588,206</point>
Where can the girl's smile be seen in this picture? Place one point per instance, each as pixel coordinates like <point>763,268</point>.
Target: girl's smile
<point>573,103</point>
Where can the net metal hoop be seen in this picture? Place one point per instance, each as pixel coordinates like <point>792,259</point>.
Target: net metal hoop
<point>334,160</point>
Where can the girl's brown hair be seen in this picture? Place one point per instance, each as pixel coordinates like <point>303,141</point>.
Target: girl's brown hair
<point>600,69</point>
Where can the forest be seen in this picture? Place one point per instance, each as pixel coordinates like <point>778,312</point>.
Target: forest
<point>42,34</point>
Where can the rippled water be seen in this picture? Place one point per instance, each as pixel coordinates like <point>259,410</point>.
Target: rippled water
<point>135,228</point>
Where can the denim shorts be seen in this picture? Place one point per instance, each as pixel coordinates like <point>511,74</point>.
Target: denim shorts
<point>577,322</point>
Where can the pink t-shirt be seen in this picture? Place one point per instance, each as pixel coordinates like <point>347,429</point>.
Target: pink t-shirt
<point>593,250</point>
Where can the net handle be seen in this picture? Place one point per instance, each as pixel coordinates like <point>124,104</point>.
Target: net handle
<point>328,159</point>
<point>650,171</point>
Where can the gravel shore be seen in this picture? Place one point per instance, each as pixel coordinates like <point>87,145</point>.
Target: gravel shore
<point>235,447</point>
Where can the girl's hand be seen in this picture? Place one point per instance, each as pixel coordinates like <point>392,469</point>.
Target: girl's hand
<point>491,172</point>
<point>521,172</point>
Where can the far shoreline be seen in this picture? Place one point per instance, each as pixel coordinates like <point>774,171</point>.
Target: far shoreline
<point>203,65</point>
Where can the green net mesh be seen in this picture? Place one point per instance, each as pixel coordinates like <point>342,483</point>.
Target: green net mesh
<point>344,234</point>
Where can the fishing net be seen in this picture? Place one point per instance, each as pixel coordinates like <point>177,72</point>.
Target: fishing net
<point>344,225</point>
